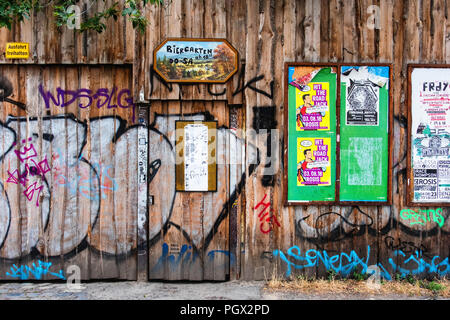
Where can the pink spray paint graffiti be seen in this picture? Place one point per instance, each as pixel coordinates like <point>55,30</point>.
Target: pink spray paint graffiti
<point>32,168</point>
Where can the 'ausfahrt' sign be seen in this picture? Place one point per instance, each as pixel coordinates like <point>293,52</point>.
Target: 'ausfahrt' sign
<point>195,60</point>
<point>17,50</point>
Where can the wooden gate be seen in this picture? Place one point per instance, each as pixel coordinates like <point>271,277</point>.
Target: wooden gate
<point>68,189</point>
<point>189,232</point>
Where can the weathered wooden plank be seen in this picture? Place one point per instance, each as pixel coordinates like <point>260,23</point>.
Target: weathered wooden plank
<point>129,35</point>
<point>336,35</point>
<point>236,27</point>
<point>217,253</point>
<point>367,38</point>
<point>171,24</point>
<point>276,234</point>
<point>386,43</point>
<point>153,39</point>
<point>437,34</point>
<point>427,24</point>
<point>237,157</point>
<point>163,152</point>
<point>91,41</point>
<point>446,27</point>
<point>67,40</point>
<point>350,53</point>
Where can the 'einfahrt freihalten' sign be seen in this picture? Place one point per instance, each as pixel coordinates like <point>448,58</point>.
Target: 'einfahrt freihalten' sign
<point>195,60</point>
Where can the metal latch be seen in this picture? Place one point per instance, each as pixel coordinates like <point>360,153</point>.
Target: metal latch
<point>151,200</point>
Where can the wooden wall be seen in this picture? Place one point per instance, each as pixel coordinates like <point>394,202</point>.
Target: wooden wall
<point>85,213</point>
<point>268,33</point>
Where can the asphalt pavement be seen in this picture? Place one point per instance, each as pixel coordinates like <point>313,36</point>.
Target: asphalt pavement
<point>130,290</point>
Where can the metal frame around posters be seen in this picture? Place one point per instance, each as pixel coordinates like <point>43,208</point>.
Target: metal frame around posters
<point>338,66</point>
<point>410,178</point>
<point>235,63</point>
<point>286,132</point>
<point>390,136</point>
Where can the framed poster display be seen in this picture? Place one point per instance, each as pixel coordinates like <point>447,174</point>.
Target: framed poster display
<point>365,133</point>
<point>310,117</point>
<point>428,135</point>
<point>196,153</point>
<point>338,133</point>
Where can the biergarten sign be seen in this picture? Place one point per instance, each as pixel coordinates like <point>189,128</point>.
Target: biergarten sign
<point>195,60</point>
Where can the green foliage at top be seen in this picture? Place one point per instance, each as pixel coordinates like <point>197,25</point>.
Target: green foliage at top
<point>17,10</point>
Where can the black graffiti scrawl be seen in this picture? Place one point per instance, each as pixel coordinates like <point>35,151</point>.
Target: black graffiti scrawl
<point>264,119</point>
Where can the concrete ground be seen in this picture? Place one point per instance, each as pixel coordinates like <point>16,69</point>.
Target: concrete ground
<point>128,290</point>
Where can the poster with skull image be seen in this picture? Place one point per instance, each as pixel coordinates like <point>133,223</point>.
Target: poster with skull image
<point>430,134</point>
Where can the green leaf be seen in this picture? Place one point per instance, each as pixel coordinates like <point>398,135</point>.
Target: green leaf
<point>18,10</point>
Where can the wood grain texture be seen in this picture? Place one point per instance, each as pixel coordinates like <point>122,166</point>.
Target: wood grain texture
<point>221,230</point>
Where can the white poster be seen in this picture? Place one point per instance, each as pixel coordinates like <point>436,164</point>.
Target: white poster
<point>196,157</point>
<point>430,135</point>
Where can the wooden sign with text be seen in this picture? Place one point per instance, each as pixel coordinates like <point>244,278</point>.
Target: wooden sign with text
<point>195,60</point>
<point>17,50</point>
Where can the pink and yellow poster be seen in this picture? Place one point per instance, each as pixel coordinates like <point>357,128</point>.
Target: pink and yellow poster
<point>313,161</point>
<point>313,107</point>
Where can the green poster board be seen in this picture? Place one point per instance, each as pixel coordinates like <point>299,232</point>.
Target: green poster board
<point>364,133</point>
<point>311,132</point>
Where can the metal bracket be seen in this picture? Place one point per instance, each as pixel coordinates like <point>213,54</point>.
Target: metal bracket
<point>151,200</point>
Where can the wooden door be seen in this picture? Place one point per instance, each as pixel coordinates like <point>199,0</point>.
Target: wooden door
<point>71,129</point>
<point>189,232</point>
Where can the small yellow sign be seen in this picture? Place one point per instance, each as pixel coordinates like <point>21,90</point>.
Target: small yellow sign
<point>17,50</point>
